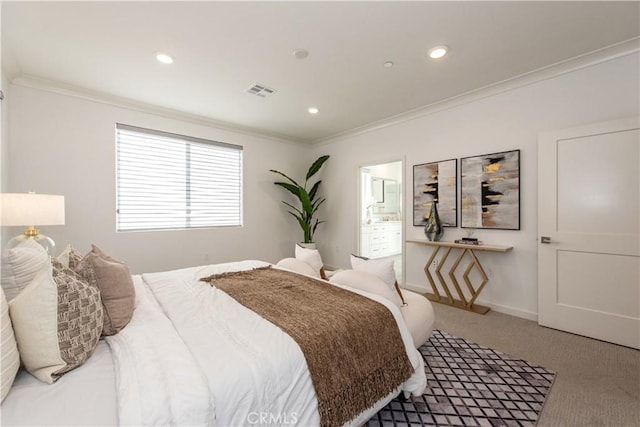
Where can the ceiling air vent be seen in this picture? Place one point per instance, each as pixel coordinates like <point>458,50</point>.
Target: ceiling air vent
<point>261,90</point>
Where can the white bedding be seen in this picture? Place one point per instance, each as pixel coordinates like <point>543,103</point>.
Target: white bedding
<point>85,396</point>
<point>254,369</point>
<point>221,356</point>
<point>157,379</point>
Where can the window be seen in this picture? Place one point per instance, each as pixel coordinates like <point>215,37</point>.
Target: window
<point>167,181</point>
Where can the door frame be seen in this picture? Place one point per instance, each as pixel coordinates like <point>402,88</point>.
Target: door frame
<point>403,199</point>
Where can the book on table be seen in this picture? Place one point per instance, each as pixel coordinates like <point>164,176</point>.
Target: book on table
<point>464,241</point>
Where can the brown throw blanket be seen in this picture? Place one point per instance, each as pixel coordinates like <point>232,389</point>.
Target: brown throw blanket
<point>352,344</point>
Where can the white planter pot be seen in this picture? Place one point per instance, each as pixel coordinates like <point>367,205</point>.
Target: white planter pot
<point>308,245</point>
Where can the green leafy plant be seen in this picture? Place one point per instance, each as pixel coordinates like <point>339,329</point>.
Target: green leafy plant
<point>309,199</point>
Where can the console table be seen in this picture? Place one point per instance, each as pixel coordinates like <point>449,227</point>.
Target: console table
<point>462,249</point>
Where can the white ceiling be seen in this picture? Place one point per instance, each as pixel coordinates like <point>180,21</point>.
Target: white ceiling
<point>223,48</point>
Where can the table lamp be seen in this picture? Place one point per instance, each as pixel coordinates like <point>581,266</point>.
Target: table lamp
<point>31,209</point>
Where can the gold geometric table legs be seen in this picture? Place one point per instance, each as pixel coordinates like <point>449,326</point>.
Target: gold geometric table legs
<point>449,299</point>
<point>459,299</point>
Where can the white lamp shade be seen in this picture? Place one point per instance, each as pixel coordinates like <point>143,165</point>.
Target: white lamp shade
<point>31,209</point>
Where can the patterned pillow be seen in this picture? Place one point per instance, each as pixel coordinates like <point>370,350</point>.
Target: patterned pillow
<point>114,281</point>
<point>10,361</point>
<point>20,265</point>
<point>70,257</point>
<point>57,321</point>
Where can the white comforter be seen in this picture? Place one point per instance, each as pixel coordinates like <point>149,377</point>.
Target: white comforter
<point>157,379</point>
<point>223,356</point>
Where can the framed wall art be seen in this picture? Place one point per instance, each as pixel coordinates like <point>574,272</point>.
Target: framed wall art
<point>436,182</point>
<point>490,191</point>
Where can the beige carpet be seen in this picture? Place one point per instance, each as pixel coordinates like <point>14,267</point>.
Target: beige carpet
<point>597,383</point>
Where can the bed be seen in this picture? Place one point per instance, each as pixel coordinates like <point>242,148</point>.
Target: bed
<point>192,355</point>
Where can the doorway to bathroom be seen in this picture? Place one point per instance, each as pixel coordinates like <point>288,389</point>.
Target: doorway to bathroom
<point>381,213</point>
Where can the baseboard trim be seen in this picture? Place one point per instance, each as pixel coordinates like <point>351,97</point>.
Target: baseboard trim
<point>524,314</point>
<point>512,311</point>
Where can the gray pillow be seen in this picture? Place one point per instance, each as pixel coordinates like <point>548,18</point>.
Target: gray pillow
<point>113,279</point>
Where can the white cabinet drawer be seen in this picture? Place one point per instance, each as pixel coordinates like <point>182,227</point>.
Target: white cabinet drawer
<point>380,239</point>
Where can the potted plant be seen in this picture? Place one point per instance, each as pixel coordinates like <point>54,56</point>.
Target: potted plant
<point>309,199</point>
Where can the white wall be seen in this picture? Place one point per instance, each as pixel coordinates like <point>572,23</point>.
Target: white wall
<point>61,144</point>
<point>4,142</point>
<point>4,135</point>
<point>506,121</point>
<point>4,131</point>
<point>4,145</point>
<point>387,171</point>
<point>4,124</point>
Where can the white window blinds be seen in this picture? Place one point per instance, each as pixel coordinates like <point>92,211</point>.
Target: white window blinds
<point>167,181</point>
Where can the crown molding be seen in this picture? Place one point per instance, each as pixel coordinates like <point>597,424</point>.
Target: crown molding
<point>122,102</point>
<point>625,48</point>
<point>589,59</point>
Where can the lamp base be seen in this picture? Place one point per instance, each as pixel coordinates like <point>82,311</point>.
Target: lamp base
<point>45,241</point>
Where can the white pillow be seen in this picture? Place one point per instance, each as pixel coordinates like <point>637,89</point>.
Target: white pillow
<point>10,361</point>
<point>366,282</point>
<point>313,258</point>
<point>20,265</point>
<point>297,266</point>
<point>57,320</point>
<point>383,268</point>
<point>65,255</point>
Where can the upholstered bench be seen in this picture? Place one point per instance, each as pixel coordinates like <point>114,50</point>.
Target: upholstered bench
<point>418,315</point>
<point>417,312</point>
<point>416,309</point>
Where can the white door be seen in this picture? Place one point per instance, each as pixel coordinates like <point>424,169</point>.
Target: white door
<point>589,213</point>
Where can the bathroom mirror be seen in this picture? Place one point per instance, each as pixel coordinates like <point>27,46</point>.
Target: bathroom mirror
<point>377,189</point>
<point>390,189</point>
<point>385,192</point>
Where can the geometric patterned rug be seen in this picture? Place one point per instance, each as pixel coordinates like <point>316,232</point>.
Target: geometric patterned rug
<point>470,385</point>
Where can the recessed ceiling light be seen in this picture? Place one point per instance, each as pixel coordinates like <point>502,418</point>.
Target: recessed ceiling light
<point>164,58</point>
<point>438,52</point>
<point>313,110</point>
<point>388,64</point>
